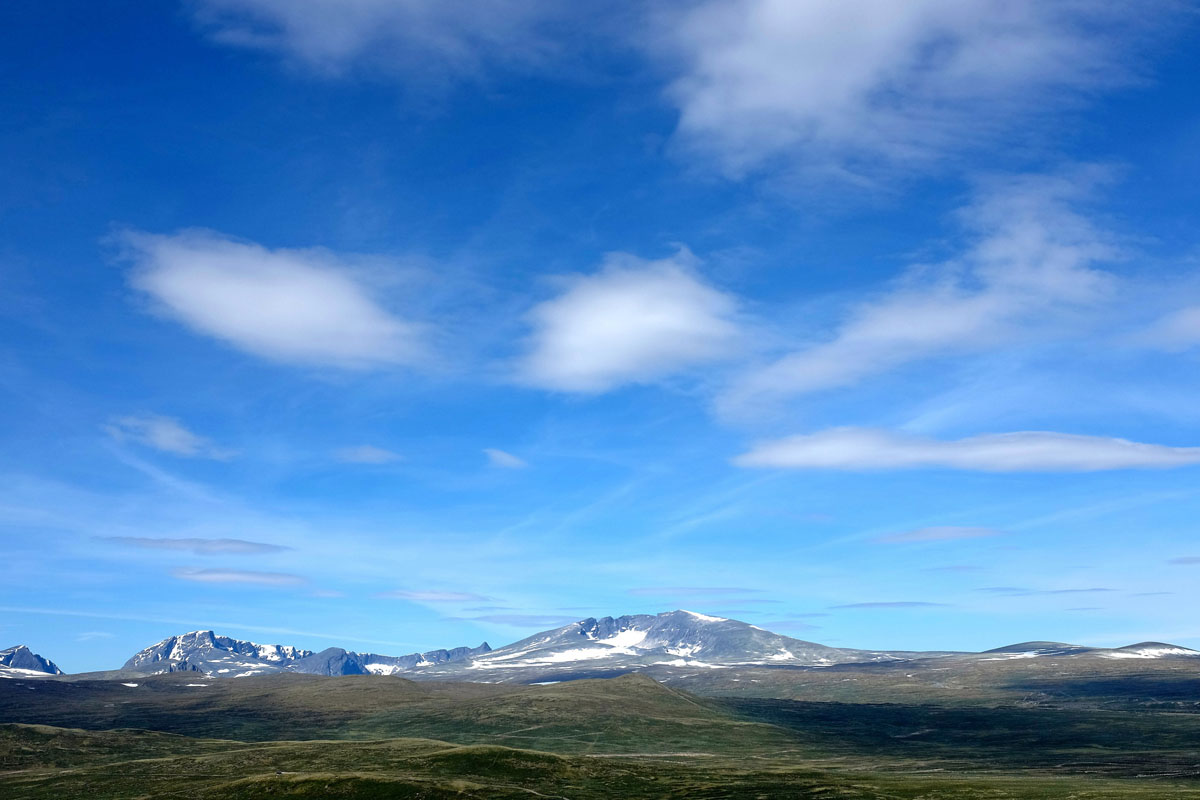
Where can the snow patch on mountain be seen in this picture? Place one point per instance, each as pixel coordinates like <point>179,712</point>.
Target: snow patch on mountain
<point>1151,650</point>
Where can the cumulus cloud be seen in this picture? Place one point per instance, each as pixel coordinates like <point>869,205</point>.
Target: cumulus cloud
<point>849,87</point>
<point>499,458</point>
<point>203,547</point>
<point>939,534</point>
<point>366,454</point>
<point>165,434</point>
<point>1030,266</point>
<point>424,38</point>
<point>1024,451</point>
<point>294,306</point>
<point>239,576</point>
<point>633,321</point>
<point>433,596</point>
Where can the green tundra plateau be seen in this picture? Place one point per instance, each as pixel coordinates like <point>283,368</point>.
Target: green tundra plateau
<point>1004,729</point>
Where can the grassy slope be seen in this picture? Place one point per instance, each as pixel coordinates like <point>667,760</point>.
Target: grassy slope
<point>628,737</point>
<point>1052,683</point>
<point>158,765</point>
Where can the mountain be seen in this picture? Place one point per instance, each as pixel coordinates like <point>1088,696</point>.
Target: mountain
<point>1061,649</point>
<point>204,651</point>
<point>21,662</point>
<point>673,639</point>
<point>223,657</point>
<point>668,646</point>
<point>336,661</point>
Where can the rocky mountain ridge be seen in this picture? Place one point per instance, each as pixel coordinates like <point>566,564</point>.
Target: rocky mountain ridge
<point>20,661</point>
<point>677,643</point>
<point>221,656</point>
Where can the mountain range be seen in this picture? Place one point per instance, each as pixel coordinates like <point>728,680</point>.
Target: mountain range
<point>672,642</point>
<point>223,657</point>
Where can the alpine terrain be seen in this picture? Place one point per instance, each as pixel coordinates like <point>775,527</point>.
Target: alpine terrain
<point>21,662</point>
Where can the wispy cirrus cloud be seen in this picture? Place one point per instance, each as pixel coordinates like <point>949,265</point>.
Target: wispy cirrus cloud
<point>165,434</point>
<point>366,454</point>
<point>295,306</point>
<point>850,90</point>
<point>1177,331</point>
<point>197,545</point>
<point>634,321</point>
<point>959,568</point>
<point>1023,451</point>
<point>947,533</point>
<point>692,591</point>
<point>432,596</point>
<point>892,604</point>
<point>503,459</point>
<point>1020,591</point>
<point>1184,560</point>
<point>414,39</point>
<point>1030,268</point>
<point>279,579</point>
<point>790,625</point>
<point>523,620</point>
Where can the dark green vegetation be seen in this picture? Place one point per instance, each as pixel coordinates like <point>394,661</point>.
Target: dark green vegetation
<point>1087,682</point>
<point>1097,732</point>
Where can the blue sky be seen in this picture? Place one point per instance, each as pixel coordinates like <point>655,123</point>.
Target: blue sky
<point>394,326</point>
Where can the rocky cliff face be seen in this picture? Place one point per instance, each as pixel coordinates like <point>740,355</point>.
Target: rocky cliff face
<point>20,659</point>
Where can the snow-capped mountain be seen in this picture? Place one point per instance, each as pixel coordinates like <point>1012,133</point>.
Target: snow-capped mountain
<point>204,651</point>
<point>1150,650</point>
<point>682,639</point>
<point>21,662</point>
<point>336,661</point>
<point>223,657</point>
<point>1061,650</point>
<point>673,644</point>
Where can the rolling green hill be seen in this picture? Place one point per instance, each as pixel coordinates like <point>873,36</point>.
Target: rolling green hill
<point>628,737</point>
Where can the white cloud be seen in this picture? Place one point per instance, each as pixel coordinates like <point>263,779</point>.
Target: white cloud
<point>1177,331</point>
<point>165,434</point>
<point>366,454</point>
<point>1031,267</point>
<point>1025,451</point>
<point>431,38</point>
<point>198,546</point>
<point>433,596</point>
<point>499,458</point>
<point>939,534</point>
<point>634,321</point>
<point>295,306</point>
<point>850,86</point>
<point>239,576</point>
